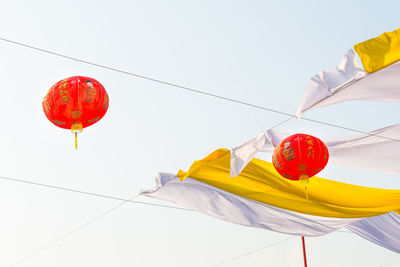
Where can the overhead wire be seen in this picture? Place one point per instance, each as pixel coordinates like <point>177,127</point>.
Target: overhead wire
<point>110,210</point>
<point>265,247</point>
<point>124,201</point>
<point>253,251</point>
<point>390,264</point>
<point>71,232</point>
<point>91,193</point>
<point>291,116</point>
<point>96,218</point>
<point>62,237</point>
<point>189,89</point>
<point>67,234</point>
<point>282,122</point>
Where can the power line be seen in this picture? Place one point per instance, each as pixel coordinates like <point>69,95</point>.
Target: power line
<point>268,246</point>
<point>189,89</point>
<point>91,193</point>
<point>389,264</point>
<point>282,122</point>
<point>72,231</point>
<point>107,212</point>
<point>253,251</point>
<point>62,237</point>
<point>291,116</point>
<point>123,201</point>
<point>105,196</point>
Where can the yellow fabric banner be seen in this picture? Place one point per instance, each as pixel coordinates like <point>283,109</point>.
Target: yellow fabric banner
<point>259,181</point>
<point>379,52</point>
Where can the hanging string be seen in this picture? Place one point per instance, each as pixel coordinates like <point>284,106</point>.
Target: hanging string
<point>305,189</point>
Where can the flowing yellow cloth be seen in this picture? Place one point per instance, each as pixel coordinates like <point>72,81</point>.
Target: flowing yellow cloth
<point>379,52</point>
<point>259,181</point>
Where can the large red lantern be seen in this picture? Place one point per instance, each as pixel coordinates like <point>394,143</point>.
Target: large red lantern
<point>75,103</point>
<point>300,156</point>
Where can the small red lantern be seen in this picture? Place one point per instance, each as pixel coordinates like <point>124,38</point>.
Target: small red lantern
<point>300,156</point>
<point>75,103</point>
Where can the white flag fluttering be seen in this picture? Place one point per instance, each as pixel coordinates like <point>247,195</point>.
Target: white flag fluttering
<point>383,230</point>
<point>221,204</point>
<point>379,80</point>
<point>383,85</point>
<point>327,87</point>
<point>363,151</point>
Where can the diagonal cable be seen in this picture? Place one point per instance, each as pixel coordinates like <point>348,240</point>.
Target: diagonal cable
<point>253,251</point>
<point>390,264</point>
<point>71,232</point>
<point>186,88</point>
<point>90,193</point>
<point>265,247</point>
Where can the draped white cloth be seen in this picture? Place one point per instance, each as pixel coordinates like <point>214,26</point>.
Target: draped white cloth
<point>218,203</point>
<point>362,151</point>
<point>348,82</point>
<point>383,230</point>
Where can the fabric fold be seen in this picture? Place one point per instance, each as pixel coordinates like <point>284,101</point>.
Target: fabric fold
<point>223,205</point>
<point>383,230</point>
<point>359,151</point>
<point>259,181</point>
<point>328,83</point>
<point>378,81</point>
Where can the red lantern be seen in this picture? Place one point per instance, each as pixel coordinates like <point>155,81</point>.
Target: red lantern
<point>300,156</point>
<point>75,103</point>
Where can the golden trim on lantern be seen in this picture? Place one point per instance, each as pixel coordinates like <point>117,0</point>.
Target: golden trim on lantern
<point>106,100</point>
<point>59,122</point>
<point>287,176</point>
<point>94,119</point>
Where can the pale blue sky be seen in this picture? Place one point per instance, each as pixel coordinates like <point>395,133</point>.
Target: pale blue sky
<point>261,52</point>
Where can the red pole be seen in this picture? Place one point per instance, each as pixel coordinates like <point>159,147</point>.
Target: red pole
<point>304,251</point>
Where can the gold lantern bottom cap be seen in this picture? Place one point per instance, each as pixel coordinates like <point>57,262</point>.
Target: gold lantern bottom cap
<point>303,178</point>
<point>76,127</point>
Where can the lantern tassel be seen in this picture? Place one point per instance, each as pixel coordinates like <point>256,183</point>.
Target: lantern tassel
<point>304,180</point>
<point>305,189</point>
<point>76,141</point>
<point>75,129</point>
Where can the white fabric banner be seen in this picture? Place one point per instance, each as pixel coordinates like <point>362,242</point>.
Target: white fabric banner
<point>383,230</point>
<point>215,202</point>
<point>349,82</point>
<point>358,151</point>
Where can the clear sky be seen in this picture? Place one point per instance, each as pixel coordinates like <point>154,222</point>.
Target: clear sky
<point>261,52</point>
